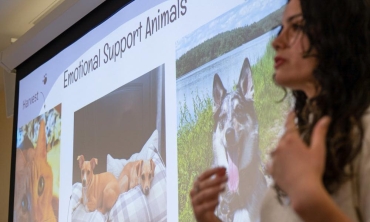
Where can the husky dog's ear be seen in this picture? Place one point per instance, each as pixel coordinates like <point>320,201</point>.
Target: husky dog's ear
<point>245,84</point>
<point>219,92</point>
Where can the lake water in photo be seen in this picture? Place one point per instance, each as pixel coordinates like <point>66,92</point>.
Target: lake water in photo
<point>200,81</point>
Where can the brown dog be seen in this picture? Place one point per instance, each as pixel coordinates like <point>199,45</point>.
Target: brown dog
<point>99,191</point>
<point>147,175</point>
<point>135,173</point>
<point>130,175</point>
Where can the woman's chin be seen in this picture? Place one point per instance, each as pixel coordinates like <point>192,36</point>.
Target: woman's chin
<point>281,79</point>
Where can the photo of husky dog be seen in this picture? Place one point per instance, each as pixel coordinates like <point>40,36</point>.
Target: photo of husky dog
<point>235,146</point>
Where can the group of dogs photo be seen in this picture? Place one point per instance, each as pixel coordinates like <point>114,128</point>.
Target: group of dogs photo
<point>235,146</point>
<point>101,191</point>
<point>34,197</point>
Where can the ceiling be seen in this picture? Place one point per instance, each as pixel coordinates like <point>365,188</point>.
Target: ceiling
<point>17,17</point>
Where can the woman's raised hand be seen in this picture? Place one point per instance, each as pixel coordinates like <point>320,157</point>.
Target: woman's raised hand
<point>205,192</point>
<point>296,167</point>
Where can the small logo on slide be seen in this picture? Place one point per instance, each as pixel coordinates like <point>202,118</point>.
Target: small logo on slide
<point>45,79</point>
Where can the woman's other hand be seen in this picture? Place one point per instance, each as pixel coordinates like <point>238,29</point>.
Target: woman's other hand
<point>297,168</point>
<point>205,192</point>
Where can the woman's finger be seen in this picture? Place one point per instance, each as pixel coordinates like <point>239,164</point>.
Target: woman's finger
<point>209,183</point>
<point>206,190</point>
<point>207,206</point>
<point>216,181</point>
<point>211,172</point>
<point>207,195</point>
<point>206,180</point>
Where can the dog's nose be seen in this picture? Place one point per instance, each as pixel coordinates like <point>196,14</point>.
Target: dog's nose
<point>230,136</point>
<point>146,190</point>
<point>84,183</point>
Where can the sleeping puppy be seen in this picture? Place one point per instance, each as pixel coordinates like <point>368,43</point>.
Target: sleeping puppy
<point>130,175</point>
<point>135,173</point>
<point>147,175</point>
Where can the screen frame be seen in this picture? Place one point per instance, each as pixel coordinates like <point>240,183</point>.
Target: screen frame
<point>93,19</point>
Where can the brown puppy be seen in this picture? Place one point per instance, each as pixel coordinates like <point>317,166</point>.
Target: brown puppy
<point>147,175</point>
<point>100,191</point>
<point>137,172</point>
<point>130,175</point>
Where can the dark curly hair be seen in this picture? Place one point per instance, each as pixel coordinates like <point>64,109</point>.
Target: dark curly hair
<point>339,34</point>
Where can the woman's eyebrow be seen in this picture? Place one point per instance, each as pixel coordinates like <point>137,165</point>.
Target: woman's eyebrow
<point>291,18</point>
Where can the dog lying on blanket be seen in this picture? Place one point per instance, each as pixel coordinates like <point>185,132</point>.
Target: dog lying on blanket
<point>135,173</point>
<point>99,191</point>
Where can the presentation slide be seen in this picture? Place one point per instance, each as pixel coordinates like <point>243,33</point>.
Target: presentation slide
<point>117,126</point>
